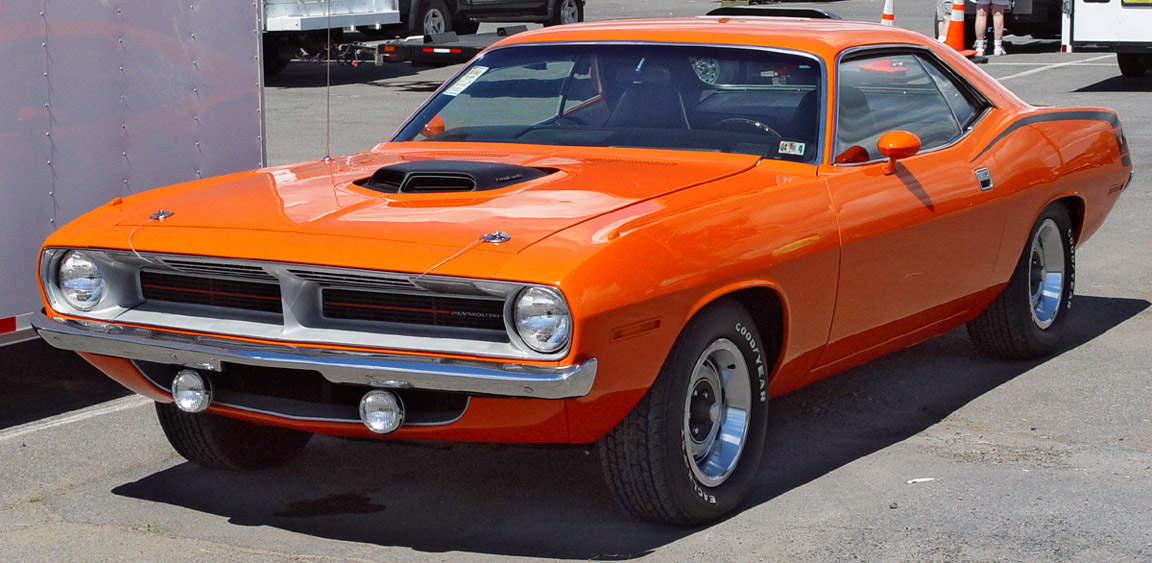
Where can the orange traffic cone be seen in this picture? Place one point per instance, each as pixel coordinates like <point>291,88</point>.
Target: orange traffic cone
<point>889,15</point>
<point>955,37</point>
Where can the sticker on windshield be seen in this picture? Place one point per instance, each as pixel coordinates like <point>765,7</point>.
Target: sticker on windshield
<point>466,80</point>
<point>792,148</point>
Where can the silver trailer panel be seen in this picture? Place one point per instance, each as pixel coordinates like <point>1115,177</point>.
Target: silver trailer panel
<point>106,99</point>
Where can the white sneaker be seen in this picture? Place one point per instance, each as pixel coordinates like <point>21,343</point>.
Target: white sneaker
<point>999,52</point>
<point>979,48</point>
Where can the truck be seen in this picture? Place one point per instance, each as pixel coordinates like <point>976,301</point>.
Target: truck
<point>107,99</point>
<point>1123,27</point>
<point>309,26</point>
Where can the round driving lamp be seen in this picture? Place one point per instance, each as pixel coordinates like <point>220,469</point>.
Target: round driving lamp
<point>381,411</point>
<point>190,392</point>
<point>80,281</point>
<point>542,319</point>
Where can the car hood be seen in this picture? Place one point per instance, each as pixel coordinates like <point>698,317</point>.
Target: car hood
<point>322,198</point>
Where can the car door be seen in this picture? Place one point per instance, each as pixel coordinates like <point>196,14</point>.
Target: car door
<point>919,244</point>
<point>508,7</point>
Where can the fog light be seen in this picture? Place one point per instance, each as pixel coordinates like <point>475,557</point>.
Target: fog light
<point>381,411</point>
<point>190,392</point>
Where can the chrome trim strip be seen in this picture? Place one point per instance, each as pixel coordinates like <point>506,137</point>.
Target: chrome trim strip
<point>337,366</point>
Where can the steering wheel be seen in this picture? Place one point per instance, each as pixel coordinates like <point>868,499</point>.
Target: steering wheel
<point>738,123</point>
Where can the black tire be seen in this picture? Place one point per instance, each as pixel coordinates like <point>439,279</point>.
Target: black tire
<point>562,8</point>
<point>218,442</point>
<point>431,12</point>
<point>465,27</point>
<point>277,55</point>
<point>1133,64</point>
<point>1011,327</point>
<point>646,459</point>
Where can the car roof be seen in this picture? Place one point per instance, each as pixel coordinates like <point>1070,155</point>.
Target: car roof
<point>822,37</point>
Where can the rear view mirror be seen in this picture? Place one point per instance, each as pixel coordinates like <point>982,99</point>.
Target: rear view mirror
<point>896,145</point>
<point>435,126</point>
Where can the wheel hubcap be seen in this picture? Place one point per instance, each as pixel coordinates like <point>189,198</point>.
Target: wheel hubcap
<point>716,412</point>
<point>569,12</point>
<point>433,22</point>
<point>1046,273</point>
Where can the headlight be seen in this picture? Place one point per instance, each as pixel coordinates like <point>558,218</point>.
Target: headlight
<point>80,281</point>
<point>542,319</point>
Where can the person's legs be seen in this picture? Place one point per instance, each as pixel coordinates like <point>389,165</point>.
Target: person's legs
<point>944,14</point>
<point>981,26</point>
<point>998,28</point>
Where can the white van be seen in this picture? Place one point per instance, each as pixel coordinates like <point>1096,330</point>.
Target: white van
<point>1123,27</point>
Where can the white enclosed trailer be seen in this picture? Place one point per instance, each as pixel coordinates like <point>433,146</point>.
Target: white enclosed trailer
<point>1123,27</point>
<point>310,15</point>
<point>104,99</point>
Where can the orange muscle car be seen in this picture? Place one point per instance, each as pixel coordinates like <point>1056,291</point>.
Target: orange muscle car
<point>630,234</point>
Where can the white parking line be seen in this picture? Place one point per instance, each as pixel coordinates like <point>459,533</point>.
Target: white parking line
<point>1052,66</point>
<point>1080,63</point>
<point>121,404</point>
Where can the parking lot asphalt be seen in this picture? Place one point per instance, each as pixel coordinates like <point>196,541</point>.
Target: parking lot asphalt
<point>934,453</point>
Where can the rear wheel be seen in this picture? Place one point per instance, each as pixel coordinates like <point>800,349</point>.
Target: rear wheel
<point>1133,64</point>
<point>688,453</point>
<point>218,442</point>
<point>567,11</point>
<point>1027,319</point>
<point>433,18</point>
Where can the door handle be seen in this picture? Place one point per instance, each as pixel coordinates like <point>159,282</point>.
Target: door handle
<point>984,178</point>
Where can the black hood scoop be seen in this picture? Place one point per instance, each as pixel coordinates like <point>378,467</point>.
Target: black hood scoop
<point>447,176</point>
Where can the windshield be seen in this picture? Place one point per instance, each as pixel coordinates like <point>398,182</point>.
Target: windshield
<point>651,96</point>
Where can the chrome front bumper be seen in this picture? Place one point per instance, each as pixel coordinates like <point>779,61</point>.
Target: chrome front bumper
<point>386,371</point>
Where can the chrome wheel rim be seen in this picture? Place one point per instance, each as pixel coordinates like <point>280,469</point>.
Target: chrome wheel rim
<point>717,409</point>
<point>1046,273</point>
<point>569,12</point>
<point>434,22</point>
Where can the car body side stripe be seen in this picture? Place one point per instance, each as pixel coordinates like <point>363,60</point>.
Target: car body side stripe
<point>1053,116</point>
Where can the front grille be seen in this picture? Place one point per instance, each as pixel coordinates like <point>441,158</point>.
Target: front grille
<point>431,310</point>
<point>216,292</point>
<point>218,269</point>
<point>379,281</point>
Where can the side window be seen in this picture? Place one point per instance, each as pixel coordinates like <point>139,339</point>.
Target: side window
<point>889,92</point>
<point>583,85</point>
<point>963,109</point>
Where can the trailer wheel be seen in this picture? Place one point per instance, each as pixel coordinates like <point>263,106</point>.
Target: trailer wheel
<point>1133,64</point>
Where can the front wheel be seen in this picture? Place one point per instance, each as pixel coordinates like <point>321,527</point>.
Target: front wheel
<point>1027,319</point>
<point>689,451</point>
<point>218,442</point>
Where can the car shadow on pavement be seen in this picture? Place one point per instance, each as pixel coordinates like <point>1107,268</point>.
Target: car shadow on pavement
<point>40,381</point>
<point>1120,84</point>
<point>310,74</point>
<point>551,502</point>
